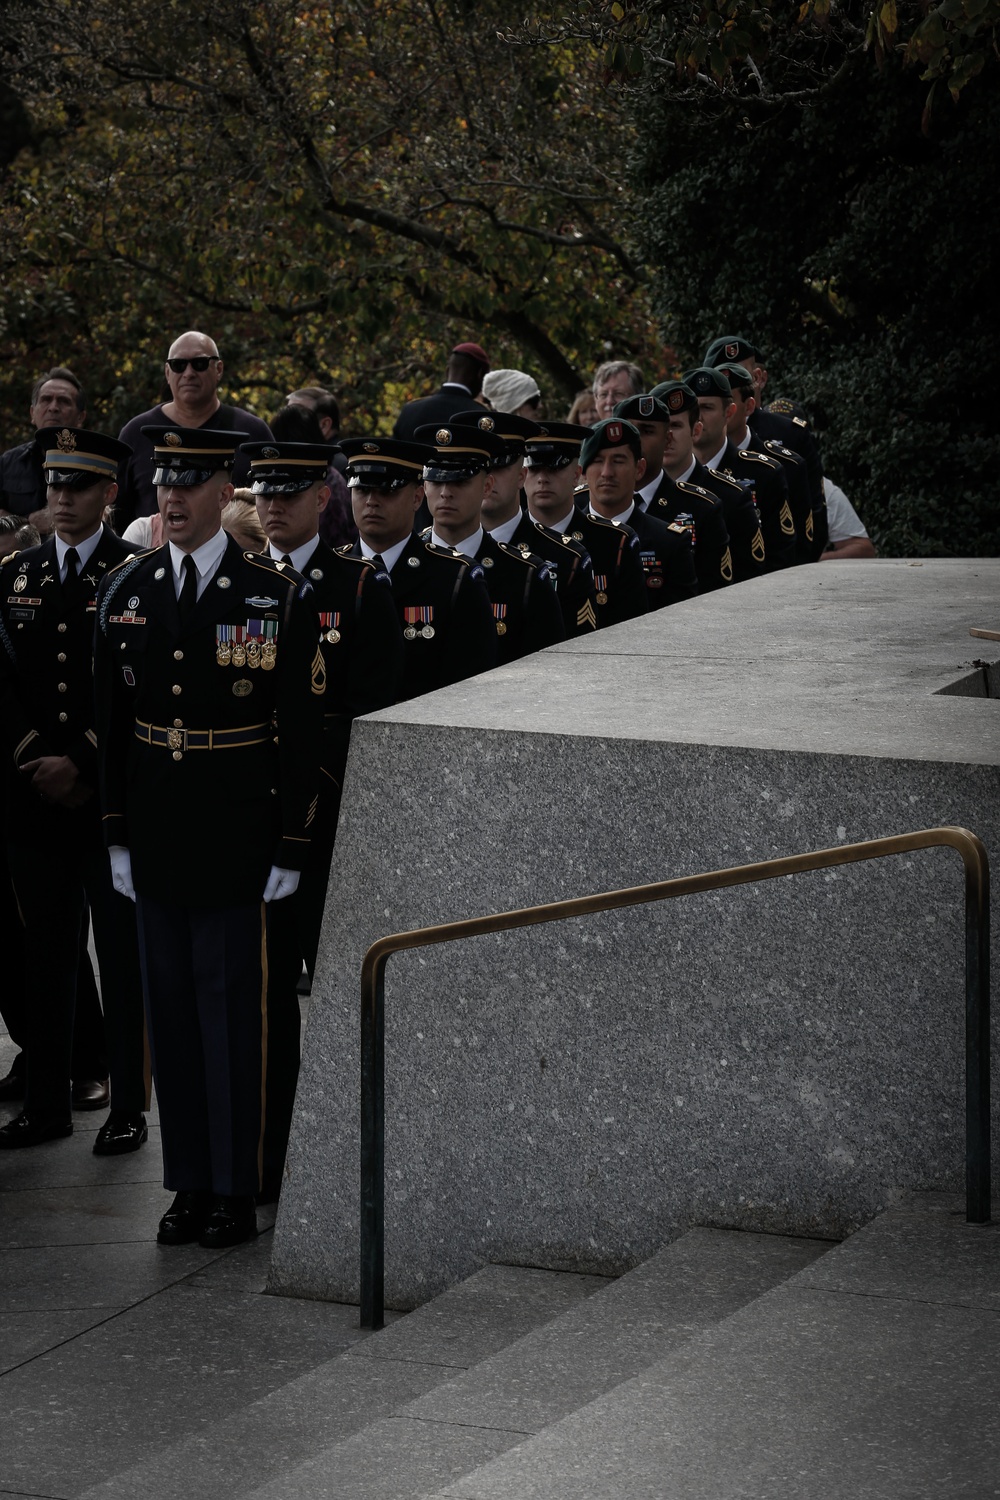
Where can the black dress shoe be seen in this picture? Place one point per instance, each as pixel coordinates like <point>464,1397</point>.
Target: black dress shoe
<point>91,1093</point>
<point>22,1131</point>
<point>184,1219</point>
<point>231,1221</point>
<point>12,1087</point>
<point>120,1132</point>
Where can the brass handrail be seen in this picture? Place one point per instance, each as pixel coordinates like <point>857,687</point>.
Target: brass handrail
<point>977,1013</point>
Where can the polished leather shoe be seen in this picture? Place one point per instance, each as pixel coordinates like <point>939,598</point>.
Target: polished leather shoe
<point>231,1221</point>
<point>185,1219</point>
<point>91,1093</point>
<point>120,1132</point>
<point>12,1086</point>
<point>22,1131</point>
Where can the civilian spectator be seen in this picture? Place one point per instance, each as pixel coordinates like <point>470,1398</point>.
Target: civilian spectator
<point>513,392</point>
<point>848,537</point>
<point>463,380</point>
<point>193,371</point>
<point>613,382</point>
<point>241,522</point>
<point>583,412</point>
<point>16,534</point>
<point>57,400</point>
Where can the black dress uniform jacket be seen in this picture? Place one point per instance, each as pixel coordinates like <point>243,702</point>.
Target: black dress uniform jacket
<point>770,489</point>
<point>446,617</point>
<point>666,552</point>
<point>693,507</point>
<point>797,476</point>
<point>618,575</point>
<point>569,563</point>
<point>746,540</point>
<point>362,647</point>
<point>57,854</point>
<point>522,594</point>
<point>795,433</point>
<point>361,642</point>
<point>209,745</point>
<point>46,683</point>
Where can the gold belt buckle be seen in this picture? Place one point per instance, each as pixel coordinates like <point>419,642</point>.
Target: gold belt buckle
<point>176,739</point>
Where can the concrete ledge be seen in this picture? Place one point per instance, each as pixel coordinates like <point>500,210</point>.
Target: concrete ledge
<point>782,1057</point>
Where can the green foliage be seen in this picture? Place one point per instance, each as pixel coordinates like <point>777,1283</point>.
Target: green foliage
<point>859,252</point>
<point>336,193</point>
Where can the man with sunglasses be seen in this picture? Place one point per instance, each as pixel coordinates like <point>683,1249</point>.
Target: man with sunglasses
<point>192,372</point>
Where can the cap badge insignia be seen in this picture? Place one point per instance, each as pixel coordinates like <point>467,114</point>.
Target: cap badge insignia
<point>646,407</point>
<point>732,350</point>
<point>269,453</point>
<point>66,441</point>
<point>371,447</point>
<point>173,439</point>
<point>675,401</point>
<point>486,424</point>
<point>614,432</point>
<point>443,436</point>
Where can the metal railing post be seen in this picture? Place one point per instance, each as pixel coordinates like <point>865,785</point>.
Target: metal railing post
<point>977,1008</point>
<point>977,1035</point>
<point>373,1141</point>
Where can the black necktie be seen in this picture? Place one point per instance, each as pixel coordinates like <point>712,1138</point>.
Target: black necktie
<point>71,588</point>
<point>189,590</point>
<point>285,558</point>
<point>378,561</point>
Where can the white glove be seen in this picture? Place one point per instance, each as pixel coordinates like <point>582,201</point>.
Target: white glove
<point>281,883</point>
<point>121,871</point>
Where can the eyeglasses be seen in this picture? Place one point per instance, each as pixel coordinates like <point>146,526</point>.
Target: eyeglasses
<point>200,362</point>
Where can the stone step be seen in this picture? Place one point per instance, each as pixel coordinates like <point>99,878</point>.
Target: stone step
<point>341,1396</point>
<point>500,1402</point>
<point>872,1373</point>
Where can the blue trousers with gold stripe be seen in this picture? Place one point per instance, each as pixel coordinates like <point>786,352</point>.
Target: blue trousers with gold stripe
<point>204,978</point>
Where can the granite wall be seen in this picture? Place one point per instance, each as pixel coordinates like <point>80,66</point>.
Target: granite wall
<point>786,1056</point>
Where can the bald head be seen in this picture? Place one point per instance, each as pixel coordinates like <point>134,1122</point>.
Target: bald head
<point>192,342</point>
<point>192,390</point>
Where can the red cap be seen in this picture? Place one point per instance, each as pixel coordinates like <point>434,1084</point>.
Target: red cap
<point>473,351</point>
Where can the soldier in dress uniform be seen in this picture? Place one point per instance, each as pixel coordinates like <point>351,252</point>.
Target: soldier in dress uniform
<point>792,430</point>
<point>612,462</point>
<point>760,477</point>
<point>362,648</point>
<point>792,466</point>
<point>506,521</point>
<point>552,472</point>
<point>440,597</point>
<point>796,512</point>
<point>680,463</point>
<point>57,858</point>
<point>684,505</point>
<point>457,479</point>
<point>777,447</point>
<point>210,685</point>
